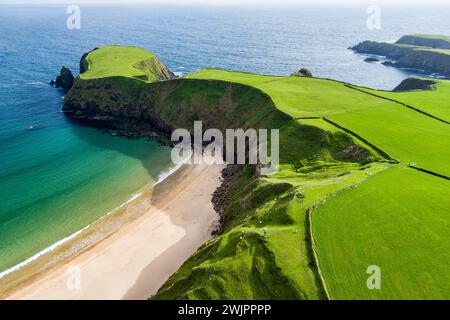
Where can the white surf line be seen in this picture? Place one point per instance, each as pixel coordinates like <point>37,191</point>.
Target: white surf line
<point>62,241</point>
<point>163,176</point>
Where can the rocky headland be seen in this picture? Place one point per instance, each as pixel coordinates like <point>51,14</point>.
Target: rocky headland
<point>428,53</point>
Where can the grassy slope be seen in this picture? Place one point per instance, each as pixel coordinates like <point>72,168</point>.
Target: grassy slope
<point>440,51</point>
<point>246,263</point>
<point>435,102</point>
<point>403,133</point>
<point>404,232</point>
<point>311,167</point>
<point>423,39</point>
<point>131,62</point>
<point>218,104</point>
<point>298,96</point>
<point>432,36</point>
<point>420,48</point>
<point>443,51</point>
<point>388,125</point>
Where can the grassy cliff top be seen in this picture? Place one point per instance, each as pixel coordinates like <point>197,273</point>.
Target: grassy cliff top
<point>416,47</point>
<point>302,97</point>
<point>132,62</point>
<point>442,51</point>
<point>426,40</point>
<point>434,102</point>
<point>430,36</point>
<point>299,97</point>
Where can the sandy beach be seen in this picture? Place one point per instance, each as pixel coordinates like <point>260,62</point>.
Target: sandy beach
<point>172,222</point>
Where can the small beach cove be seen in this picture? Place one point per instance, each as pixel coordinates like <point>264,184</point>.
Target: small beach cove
<point>137,247</point>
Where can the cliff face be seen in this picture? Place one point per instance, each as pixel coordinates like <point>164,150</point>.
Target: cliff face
<point>425,60</point>
<point>408,56</point>
<point>147,94</point>
<point>84,65</point>
<point>155,70</point>
<point>388,50</point>
<point>168,105</point>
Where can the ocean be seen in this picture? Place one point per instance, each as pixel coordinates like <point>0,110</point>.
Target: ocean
<point>57,177</point>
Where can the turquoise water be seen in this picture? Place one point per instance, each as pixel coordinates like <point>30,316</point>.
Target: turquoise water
<point>57,180</point>
<point>58,177</point>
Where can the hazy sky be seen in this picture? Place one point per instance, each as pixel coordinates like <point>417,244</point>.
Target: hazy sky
<point>235,2</point>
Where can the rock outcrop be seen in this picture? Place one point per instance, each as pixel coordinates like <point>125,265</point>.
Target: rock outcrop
<point>303,72</point>
<point>415,84</point>
<point>371,59</point>
<point>64,80</point>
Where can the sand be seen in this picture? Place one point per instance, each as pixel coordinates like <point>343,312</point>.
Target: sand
<point>135,261</point>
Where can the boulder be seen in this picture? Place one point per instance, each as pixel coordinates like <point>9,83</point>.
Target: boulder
<point>303,72</point>
<point>371,59</point>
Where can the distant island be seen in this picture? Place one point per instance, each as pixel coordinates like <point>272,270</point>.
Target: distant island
<point>430,53</point>
<point>363,176</point>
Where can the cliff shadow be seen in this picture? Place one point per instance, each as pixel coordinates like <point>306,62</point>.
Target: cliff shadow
<point>100,136</point>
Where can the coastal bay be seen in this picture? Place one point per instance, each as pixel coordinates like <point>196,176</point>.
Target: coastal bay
<point>173,220</point>
<point>82,218</point>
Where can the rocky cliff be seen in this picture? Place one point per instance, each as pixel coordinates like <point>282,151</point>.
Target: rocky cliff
<point>409,56</point>
<point>134,103</point>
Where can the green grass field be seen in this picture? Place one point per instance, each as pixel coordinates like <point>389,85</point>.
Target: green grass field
<point>298,96</point>
<point>397,220</point>
<point>433,36</point>
<point>435,102</point>
<point>443,51</point>
<point>131,62</point>
<point>405,134</point>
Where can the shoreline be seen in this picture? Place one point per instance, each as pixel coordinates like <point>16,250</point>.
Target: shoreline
<point>61,242</point>
<point>163,175</point>
<point>110,230</point>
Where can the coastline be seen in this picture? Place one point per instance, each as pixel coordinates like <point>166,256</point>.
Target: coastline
<point>172,220</point>
<point>57,244</point>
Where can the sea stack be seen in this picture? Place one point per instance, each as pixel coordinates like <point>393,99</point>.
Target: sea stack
<point>64,80</point>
